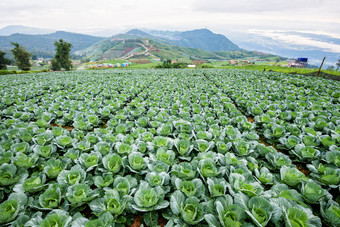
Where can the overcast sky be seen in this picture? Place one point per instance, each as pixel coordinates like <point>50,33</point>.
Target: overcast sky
<point>178,14</point>
<point>220,16</point>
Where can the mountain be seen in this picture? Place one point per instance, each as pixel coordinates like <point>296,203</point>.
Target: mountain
<point>12,29</point>
<point>43,45</point>
<point>134,45</point>
<point>137,32</point>
<point>202,39</point>
<point>134,48</point>
<point>206,40</point>
<point>169,35</point>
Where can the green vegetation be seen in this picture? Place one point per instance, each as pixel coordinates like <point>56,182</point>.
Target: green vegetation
<point>244,54</point>
<point>143,66</point>
<point>61,59</point>
<point>3,61</point>
<point>204,39</point>
<point>204,147</point>
<point>269,66</point>
<point>167,64</point>
<point>42,45</point>
<point>6,72</point>
<point>284,69</point>
<point>21,57</point>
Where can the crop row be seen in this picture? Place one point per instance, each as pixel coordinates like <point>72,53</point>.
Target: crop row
<point>98,148</point>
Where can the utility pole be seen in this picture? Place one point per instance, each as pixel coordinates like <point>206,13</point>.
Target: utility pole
<point>321,66</point>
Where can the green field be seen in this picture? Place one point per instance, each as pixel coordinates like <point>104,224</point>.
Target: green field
<point>273,66</point>
<point>212,147</point>
<point>284,69</point>
<point>263,66</point>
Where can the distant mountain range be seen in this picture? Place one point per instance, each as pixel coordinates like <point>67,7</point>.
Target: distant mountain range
<point>202,39</point>
<point>43,45</point>
<point>137,44</point>
<point>196,44</point>
<point>12,29</point>
<point>282,43</point>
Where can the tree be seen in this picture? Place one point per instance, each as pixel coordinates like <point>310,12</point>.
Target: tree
<point>55,66</point>
<point>21,57</point>
<point>61,59</point>
<point>166,64</point>
<point>338,64</point>
<point>3,61</point>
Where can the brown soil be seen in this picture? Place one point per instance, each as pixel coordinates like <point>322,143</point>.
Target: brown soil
<point>251,120</point>
<point>199,62</point>
<point>302,169</point>
<point>162,221</point>
<point>70,128</point>
<point>137,221</point>
<point>140,61</point>
<point>127,50</point>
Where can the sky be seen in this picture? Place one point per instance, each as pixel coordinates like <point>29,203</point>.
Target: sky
<point>109,17</point>
<point>89,15</point>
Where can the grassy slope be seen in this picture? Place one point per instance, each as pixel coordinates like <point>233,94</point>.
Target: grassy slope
<point>252,67</point>
<point>245,54</point>
<point>114,49</point>
<point>282,69</point>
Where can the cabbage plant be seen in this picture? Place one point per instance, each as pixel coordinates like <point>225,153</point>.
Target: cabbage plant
<point>148,198</point>
<point>12,207</point>
<point>190,188</point>
<point>75,175</point>
<point>330,212</point>
<point>112,162</point>
<point>50,198</point>
<point>190,210</point>
<point>10,174</point>
<point>79,194</point>
<point>292,176</point>
<point>229,214</point>
<point>259,209</point>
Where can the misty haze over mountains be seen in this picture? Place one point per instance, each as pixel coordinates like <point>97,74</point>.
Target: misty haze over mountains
<point>292,44</point>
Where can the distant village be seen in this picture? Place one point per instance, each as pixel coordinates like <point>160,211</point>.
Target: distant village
<point>291,63</point>
<point>47,61</point>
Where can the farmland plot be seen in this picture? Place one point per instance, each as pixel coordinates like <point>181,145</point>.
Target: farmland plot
<point>195,148</point>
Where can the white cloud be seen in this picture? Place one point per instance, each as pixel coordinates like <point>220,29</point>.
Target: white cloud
<point>298,39</point>
<point>218,15</point>
<point>258,6</point>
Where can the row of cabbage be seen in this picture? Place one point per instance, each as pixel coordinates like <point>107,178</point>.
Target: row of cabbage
<point>298,114</point>
<point>168,141</point>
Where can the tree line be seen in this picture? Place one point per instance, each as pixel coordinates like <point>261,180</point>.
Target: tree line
<point>22,57</point>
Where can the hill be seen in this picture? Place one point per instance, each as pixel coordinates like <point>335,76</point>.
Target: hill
<point>135,45</point>
<point>202,39</point>
<point>140,33</point>
<point>132,48</point>
<point>43,45</point>
<point>12,29</point>
<point>206,40</point>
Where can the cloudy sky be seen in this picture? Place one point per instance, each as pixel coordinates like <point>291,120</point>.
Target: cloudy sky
<point>265,17</point>
<point>90,15</point>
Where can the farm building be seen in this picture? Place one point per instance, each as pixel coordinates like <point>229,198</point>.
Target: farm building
<point>298,63</point>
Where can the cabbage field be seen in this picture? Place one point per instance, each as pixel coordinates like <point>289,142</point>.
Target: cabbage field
<point>220,148</point>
